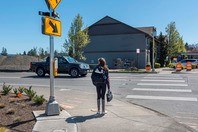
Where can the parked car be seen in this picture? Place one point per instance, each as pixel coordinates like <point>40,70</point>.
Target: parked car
<point>193,61</point>
<point>66,64</point>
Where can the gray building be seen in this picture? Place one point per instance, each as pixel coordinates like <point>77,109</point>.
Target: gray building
<point>118,43</point>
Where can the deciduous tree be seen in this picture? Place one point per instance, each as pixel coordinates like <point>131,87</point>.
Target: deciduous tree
<point>175,42</point>
<point>77,39</point>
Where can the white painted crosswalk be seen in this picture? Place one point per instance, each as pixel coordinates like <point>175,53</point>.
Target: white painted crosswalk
<point>146,80</point>
<point>162,84</point>
<point>162,90</point>
<point>161,98</point>
<point>167,94</point>
<point>164,77</point>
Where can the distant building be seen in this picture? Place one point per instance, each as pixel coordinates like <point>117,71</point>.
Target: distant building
<point>190,55</point>
<point>118,43</point>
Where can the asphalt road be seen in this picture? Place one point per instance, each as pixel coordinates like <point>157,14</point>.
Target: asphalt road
<point>175,95</point>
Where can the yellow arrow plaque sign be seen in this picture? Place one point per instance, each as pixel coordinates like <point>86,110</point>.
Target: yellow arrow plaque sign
<point>51,26</point>
<point>54,3</point>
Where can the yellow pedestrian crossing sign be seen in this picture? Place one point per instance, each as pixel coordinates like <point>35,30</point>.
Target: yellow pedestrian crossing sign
<point>54,3</point>
<point>51,26</point>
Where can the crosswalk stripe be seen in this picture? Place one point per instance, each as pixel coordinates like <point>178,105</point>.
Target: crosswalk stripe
<point>144,80</point>
<point>10,77</point>
<point>163,78</point>
<point>161,98</point>
<point>162,90</point>
<point>89,79</point>
<point>64,89</point>
<point>165,75</point>
<point>161,84</point>
<point>189,118</point>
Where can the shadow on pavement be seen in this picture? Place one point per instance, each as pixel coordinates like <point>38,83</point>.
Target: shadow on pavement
<point>80,119</point>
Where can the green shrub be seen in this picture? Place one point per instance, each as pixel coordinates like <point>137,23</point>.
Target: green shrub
<point>194,66</point>
<point>171,65</point>
<point>21,89</point>
<point>30,93</point>
<point>39,99</point>
<point>6,89</point>
<point>157,65</point>
<point>15,91</point>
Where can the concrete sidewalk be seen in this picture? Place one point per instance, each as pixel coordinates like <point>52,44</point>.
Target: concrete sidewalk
<point>79,115</point>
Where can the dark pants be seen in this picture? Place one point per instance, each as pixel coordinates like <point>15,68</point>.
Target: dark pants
<point>101,90</point>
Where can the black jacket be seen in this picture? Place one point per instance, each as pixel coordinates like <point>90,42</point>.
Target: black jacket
<point>106,72</point>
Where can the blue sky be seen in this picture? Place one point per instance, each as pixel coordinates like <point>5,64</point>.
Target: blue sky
<point>20,23</point>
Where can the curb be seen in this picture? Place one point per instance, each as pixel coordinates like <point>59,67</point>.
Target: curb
<point>7,70</point>
<point>184,72</point>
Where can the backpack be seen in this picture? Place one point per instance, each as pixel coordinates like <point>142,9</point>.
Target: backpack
<point>98,76</point>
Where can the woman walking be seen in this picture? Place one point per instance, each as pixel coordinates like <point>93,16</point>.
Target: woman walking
<point>100,78</point>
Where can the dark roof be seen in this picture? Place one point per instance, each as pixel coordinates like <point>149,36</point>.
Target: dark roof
<point>148,30</point>
<point>107,20</point>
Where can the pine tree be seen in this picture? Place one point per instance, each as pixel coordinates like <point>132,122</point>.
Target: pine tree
<point>33,52</point>
<point>24,53</point>
<point>4,52</point>
<point>162,49</point>
<point>41,53</point>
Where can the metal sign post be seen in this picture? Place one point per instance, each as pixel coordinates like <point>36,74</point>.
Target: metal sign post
<point>51,27</point>
<point>137,51</point>
<point>51,66</point>
<point>52,106</point>
<point>153,53</point>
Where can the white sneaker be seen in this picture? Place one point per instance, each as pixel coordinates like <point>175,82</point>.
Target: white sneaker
<point>104,112</point>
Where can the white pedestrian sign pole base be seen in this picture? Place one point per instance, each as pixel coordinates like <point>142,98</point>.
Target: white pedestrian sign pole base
<point>52,107</point>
